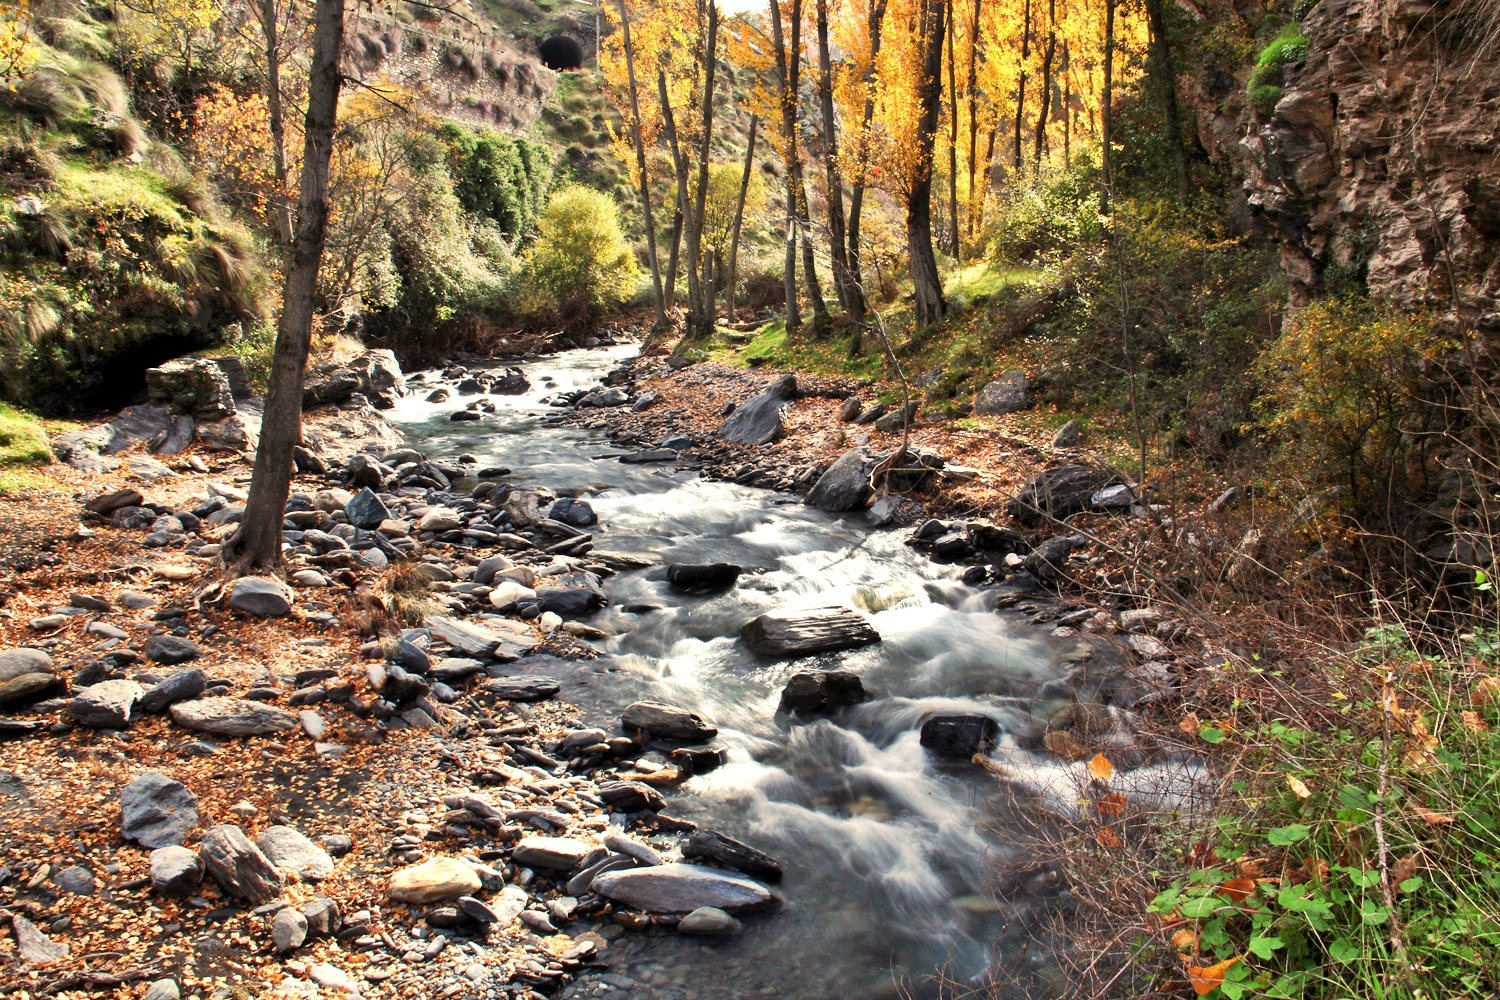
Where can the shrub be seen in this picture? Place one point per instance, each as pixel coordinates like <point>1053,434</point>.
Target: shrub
<point>1050,218</point>
<point>498,177</point>
<point>1267,79</point>
<point>580,263</point>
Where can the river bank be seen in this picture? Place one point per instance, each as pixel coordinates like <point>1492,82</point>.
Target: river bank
<point>849,796</point>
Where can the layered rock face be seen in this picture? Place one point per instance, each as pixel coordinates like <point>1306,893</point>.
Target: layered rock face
<point>1384,152</point>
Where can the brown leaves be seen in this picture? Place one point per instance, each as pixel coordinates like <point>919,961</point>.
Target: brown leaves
<point>1107,838</point>
<point>1432,818</point>
<point>1298,786</point>
<point>1237,890</point>
<point>1112,804</point>
<point>1062,744</point>
<point>1486,693</point>
<point>1207,978</point>
<point>1185,940</point>
<point>1472,722</point>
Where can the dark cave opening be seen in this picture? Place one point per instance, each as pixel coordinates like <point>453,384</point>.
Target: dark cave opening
<point>561,52</point>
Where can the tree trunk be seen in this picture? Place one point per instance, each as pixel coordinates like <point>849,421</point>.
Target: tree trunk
<point>809,259</point>
<point>927,285</point>
<point>669,283</point>
<point>857,194</point>
<point>684,208</point>
<point>640,162</point>
<point>1051,50</point>
<point>281,206</point>
<point>1020,161</point>
<point>700,320</point>
<point>846,284</point>
<point>256,546</point>
<point>739,218</point>
<point>1165,72</point>
<point>976,200</point>
<point>953,244</point>
<point>1106,166</point>
<point>786,77</point>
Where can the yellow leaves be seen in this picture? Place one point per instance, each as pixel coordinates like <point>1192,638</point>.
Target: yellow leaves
<point>1100,768</point>
<point>1185,940</point>
<point>1298,786</point>
<point>1486,693</point>
<point>1207,978</point>
<point>1431,817</point>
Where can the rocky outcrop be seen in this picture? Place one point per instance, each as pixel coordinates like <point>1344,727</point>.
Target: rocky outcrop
<point>375,374</point>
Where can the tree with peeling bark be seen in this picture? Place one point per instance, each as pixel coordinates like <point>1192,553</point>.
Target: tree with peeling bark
<point>256,546</point>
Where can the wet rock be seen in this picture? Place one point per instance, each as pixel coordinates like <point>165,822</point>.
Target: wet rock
<point>570,595</point>
<point>702,578</point>
<point>523,688</point>
<point>180,686</point>
<point>822,692</point>
<point>157,811</point>
<point>241,869</point>
<point>512,383</point>
<point>366,510</point>
<point>649,456</point>
<point>552,853</point>
<point>500,640</point>
<point>1068,435</point>
<point>175,871</point>
<point>1059,493</point>
<point>846,484</point>
<point>258,596</point>
<point>294,854</point>
<point>959,736</point>
<point>1010,393</point>
<point>699,760</point>
<point>1049,559</point>
<point>433,881</point>
<point>760,419</point>
<point>232,717</point>
<point>106,705</point>
<point>23,673</point>
<point>804,632</point>
<point>34,946</point>
<point>288,930</point>
<point>630,796</point>
<point>171,650</point>
<point>708,921</point>
<point>680,888</point>
<point>731,853</point>
<point>667,722</point>
<point>577,513</point>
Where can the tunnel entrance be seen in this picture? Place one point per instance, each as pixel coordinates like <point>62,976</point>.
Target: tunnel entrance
<point>561,52</point>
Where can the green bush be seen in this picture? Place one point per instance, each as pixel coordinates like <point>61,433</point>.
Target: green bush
<point>501,178</point>
<point>580,263</point>
<point>1267,79</point>
<point>1050,218</point>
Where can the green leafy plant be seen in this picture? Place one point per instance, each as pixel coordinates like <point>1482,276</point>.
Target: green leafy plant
<point>1269,76</point>
<point>580,263</point>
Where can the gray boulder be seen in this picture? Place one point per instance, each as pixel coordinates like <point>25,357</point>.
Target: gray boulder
<point>233,717</point>
<point>180,686</point>
<point>808,631</point>
<point>681,888</point>
<point>571,595</point>
<point>157,811</point>
<point>241,869</point>
<point>1010,393</point>
<point>195,386</point>
<point>34,946</point>
<point>1068,435</point>
<point>822,692</point>
<point>256,595</point>
<point>846,484</point>
<point>288,929</point>
<point>171,649</point>
<point>293,853</point>
<point>761,418</point>
<point>175,871</point>
<point>667,722</point>
<point>23,673</point>
<point>1059,493</point>
<point>106,705</point>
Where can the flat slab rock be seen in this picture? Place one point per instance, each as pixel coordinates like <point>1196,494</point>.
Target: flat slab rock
<point>256,595</point>
<point>667,722</point>
<point>434,881</point>
<point>233,717</point>
<point>556,853</point>
<point>157,811</point>
<point>681,888</point>
<point>500,640</point>
<point>804,632</point>
<point>294,854</point>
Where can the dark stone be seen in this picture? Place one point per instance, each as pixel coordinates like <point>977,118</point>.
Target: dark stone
<point>804,632</point>
<point>571,595</point>
<point>401,686</point>
<point>111,502</point>
<point>699,760</point>
<point>731,853</point>
<point>849,411</point>
<point>959,736</point>
<point>1048,560</point>
<point>157,811</point>
<point>171,650</point>
<point>822,692</point>
<point>577,513</point>
<point>649,456</point>
<point>1059,493</point>
<point>630,796</point>
<point>702,578</point>
<point>759,420</point>
<point>180,686</point>
<point>512,383</point>
<point>846,484</point>
<point>1010,393</point>
<point>241,869</point>
<point>523,688</point>
<point>366,510</point>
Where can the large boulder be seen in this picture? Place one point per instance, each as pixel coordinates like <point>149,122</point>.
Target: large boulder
<point>667,722</point>
<point>761,418</point>
<point>376,374</point>
<point>241,869</point>
<point>106,705</point>
<point>571,595</point>
<point>233,717</point>
<point>194,386</point>
<point>1059,493</point>
<point>846,484</point>
<point>680,888</point>
<point>23,673</point>
<point>157,811</point>
<point>1010,393</point>
<point>92,449</point>
<point>434,881</point>
<point>807,631</point>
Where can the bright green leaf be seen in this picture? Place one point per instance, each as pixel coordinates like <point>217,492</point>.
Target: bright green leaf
<point>1265,947</point>
<point>1284,836</point>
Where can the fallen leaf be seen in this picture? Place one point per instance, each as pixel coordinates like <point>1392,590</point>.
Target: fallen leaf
<point>1185,940</point>
<point>1238,889</point>
<point>1472,722</point>
<point>1485,693</point>
<point>1107,837</point>
<point>1190,724</point>
<point>1432,818</point>
<point>1207,978</point>
<point>1251,868</point>
<point>1100,768</point>
<point>1112,804</point>
<point>1298,786</point>
<point>1404,868</point>
<point>1060,743</point>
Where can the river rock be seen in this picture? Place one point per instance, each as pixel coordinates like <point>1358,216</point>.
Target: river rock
<point>180,686</point>
<point>106,504</point>
<point>523,688</point>
<point>702,578</point>
<point>34,946</point>
<point>195,386</point>
<point>761,418</point>
<point>23,673</point>
<point>241,869</point>
<point>508,593</point>
<point>708,921</point>
<point>513,383</point>
<point>288,930</point>
<point>232,717</point>
<point>433,881</point>
<point>294,854</point>
<point>366,510</point>
<point>323,916</point>
<point>804,632</point>
<point>680,888</point>
<point>899,418</point>
<point>1010,393</point>
<point>667,722</point>
<point>440,519</point>
<point>553,853</point>
<point>106,705</point>
<point>256,595</point>
<point>846,484</point>
<point>163,989</point>
<point>624,844</point>
<point>732,854</point>
<point>76,880</point>
<point>175,871</point>
<point>630,796</point>
<point>500,640</point>
<point>577,513</point>
<point>171,650</point>
<point>570,595</point>
<point>849,409</point>
<point>959,736</point>
<point>1059,493</point>
<point>1068,435</point>
<point>157,811</point>
<point>822,692</point>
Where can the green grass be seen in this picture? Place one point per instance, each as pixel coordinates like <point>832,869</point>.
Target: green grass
<point>982,280</point>
<point>23,449</point>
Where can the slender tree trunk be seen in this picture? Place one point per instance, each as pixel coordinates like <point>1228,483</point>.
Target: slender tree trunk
<point>739,218</point>
<point>809,258</point>
<point>684,207</point>
<point>640,162</point>
<point>926,283</point>
<point>1020,160</point>
<point>701,306</point>
<point>862,161</point>
<point>1048,53</point>
<point>846,285</point>
<point>1164,70</point>
<point>975,199</point>
<point>256,546</point>
<point>990,152</point>
<point>281,206</point>
<point>1067,106</point>
<point>670,282</point>
<point>786,77</point>
<point>953,242</point>
<point>1106,168</point>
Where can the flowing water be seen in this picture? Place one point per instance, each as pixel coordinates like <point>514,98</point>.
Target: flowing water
<point>887,851</point>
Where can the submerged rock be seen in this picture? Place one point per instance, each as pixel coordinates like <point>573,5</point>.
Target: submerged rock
<point>681,888</point>
<point>959,736</point>
<point>822,692</point>
<point>804,632</point>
